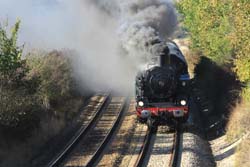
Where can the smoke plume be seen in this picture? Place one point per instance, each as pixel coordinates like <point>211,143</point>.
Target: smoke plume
<point>111,37</point>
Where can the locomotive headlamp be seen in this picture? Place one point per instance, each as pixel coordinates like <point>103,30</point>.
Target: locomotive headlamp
<point>183,102</point>
<point>140,103</point>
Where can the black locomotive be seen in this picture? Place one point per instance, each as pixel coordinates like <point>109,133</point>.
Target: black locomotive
<point>162,88</point>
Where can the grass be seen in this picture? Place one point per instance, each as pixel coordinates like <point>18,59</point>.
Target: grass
<point>20,152</point>
<point>238,126</point>
<point>243,154</point>
<point>239,121</point>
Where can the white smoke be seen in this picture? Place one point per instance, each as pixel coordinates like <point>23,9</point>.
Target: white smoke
<point>111,36</point>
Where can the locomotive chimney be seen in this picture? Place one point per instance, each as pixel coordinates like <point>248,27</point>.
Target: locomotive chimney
<point>164,57</point>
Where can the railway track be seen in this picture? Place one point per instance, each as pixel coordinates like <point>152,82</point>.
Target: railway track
<point>160,149</point>
<point>144,148</point>
<point>175,156</point>
<point>87,145</point>
<point>96,104</point>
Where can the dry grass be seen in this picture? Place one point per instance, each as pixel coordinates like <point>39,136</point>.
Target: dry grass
<point>243,154</point>
<point>238,125</point>
<point>239,121</point>
<point>19,153</point>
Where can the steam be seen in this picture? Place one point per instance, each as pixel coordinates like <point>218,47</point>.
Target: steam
<point>111,37</point>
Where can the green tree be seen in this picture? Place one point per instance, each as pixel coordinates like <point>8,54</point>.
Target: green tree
<point>209,25</point>
<point>19,106</point>
<point>240,38</point>
<point>12,67</point>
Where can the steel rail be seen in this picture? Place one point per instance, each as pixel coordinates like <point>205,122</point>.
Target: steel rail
<point>107,138</point>
<point>176,148</point>
<point>81,132</point>
<point>144,150</point>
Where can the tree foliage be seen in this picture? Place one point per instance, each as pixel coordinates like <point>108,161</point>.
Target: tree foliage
<point>12,67</point>
<point>209,26</point>
<point>29,85</point>
<point>241,38</point>
<point>221,30</point>
<point>19,107</point>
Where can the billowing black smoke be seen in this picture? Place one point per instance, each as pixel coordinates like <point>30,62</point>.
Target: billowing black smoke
<point>143,24</point>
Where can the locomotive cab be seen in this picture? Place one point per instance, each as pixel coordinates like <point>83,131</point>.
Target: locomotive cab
<point>162,90</point>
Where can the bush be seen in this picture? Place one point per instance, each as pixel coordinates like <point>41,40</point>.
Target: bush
<point>55,76</point>
<point>19,113</point>
<point>19,108</point>
<point>246,94</point>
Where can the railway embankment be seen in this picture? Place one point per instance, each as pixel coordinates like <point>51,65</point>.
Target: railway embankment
<point>38,98</point>
<point>223,109</point>
<point>218,34</point>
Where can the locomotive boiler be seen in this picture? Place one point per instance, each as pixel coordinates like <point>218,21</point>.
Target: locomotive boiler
<point>162,88</point>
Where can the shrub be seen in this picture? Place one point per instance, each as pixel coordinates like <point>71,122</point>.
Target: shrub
<point>18,107</point>
<point>246,94</point>
<point>19,112</point>
<point>55,76</point>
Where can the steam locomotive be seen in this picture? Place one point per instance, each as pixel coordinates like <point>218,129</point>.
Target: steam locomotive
<point>162,88</point>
